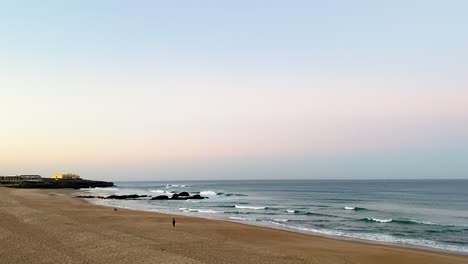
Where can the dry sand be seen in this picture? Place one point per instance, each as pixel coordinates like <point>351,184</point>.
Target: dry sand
<point>52,226</point>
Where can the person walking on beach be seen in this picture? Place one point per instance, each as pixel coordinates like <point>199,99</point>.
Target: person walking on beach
<point>173,222</point>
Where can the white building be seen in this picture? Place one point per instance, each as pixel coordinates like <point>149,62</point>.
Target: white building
<point>10,178</point>
<point>20,178</point>
<point>30,178</point>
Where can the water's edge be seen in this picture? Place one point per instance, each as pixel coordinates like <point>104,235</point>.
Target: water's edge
<point>289,230</point>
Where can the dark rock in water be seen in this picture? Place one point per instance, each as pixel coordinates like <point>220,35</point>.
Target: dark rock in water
<point>197,196</point>
<point>125,197</point>
<point>178,197</point>
<point>90,197</point>
<point>160,197</point>
<point>135,197</point>
<point>185,194</point>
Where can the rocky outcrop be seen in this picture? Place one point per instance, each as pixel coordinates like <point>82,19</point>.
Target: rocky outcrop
<point>176,196</point>
<point>62,184</point>
<point>179,196</point>
<point>198,197</point>
<point>115,197</point>
<point>160,197</point>
<point>126,197</point>
<point>90,196</point>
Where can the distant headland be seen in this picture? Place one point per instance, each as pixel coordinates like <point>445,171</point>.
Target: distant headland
<point>57,181</point>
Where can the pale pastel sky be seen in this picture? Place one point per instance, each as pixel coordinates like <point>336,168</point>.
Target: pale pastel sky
<point>159,90</point>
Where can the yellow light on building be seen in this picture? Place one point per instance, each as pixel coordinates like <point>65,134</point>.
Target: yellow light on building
<point>67,176</point>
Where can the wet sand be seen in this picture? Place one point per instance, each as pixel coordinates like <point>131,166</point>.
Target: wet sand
<point>52,226</point>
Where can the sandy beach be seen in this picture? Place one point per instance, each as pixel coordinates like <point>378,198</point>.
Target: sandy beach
<point>52,226</point>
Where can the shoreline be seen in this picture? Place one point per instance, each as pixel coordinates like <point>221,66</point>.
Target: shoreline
<point>294,231</point>
<point>279,226</point>
<point>57,226</point>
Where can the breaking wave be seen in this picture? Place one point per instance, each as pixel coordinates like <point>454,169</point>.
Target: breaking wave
<point>176,185</point>
<point>250,207</point>
<point>404,222</point>
<point>161,191</point>
<point>213,193</point>
<point>372,219</point>
<point>355,208</point>
<point>190,210</point>
<point>110,189</point>
<point>208,193</point>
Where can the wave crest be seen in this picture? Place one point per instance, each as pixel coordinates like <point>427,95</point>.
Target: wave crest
<point>208,193</point>
<point>372,219</point>
<point>176,185</point>
<point>190,210</point>
<point>160,191</point>
<point>250,207</point>
<point>110,189</point>
<point>355,208</point>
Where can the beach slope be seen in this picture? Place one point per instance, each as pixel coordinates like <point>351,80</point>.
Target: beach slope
<point>52,226</point>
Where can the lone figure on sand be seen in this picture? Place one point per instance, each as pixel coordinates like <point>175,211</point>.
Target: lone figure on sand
<point>173,222</point>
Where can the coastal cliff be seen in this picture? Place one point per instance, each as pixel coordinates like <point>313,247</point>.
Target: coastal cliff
<point>60,184</point>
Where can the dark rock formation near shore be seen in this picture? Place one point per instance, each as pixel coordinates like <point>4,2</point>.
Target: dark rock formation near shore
<point>125,197</point>
<point>198,197</point>
<point>90,196</point>
<point>62,184</point>
<point>180,196</point>
<point>160,197</point>
<point>115,197</point>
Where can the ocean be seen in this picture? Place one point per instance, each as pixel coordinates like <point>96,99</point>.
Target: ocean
<point>418,213</point>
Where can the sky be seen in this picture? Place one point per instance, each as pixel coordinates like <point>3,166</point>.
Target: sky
<point>196,90</point>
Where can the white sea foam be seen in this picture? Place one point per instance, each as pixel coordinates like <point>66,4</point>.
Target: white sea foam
<point>423,222</point>
<point>188,210</point>
<point>110,189</point>
<point>208,193</point>
<point>291,211</point>
<point>377,237</point>
<point>160,191</point>
<point>239,218</point>
<point>349,208</point>
<point>437,224</point>
<point>250,207</point>
<point>175,185</point>
<point>372,219</point>
<point>207,211</point>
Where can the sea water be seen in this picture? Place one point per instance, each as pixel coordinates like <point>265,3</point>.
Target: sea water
<point>422,213</point>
